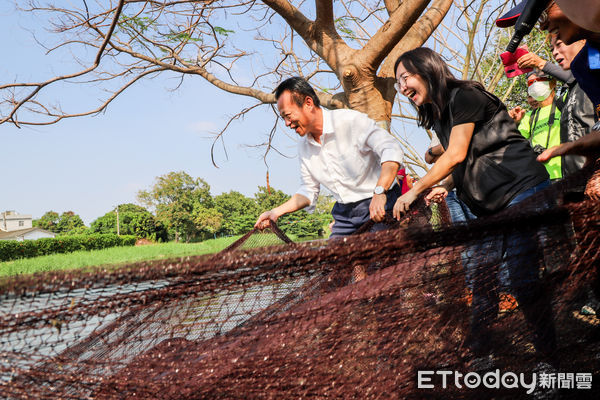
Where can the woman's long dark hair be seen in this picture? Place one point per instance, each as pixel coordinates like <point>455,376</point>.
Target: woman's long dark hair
<point>430,66</point>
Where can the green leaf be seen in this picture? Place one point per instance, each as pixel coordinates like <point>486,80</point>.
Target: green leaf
<point>223,31</point>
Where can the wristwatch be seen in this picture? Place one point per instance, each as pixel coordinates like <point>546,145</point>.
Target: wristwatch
<point>379,190</point>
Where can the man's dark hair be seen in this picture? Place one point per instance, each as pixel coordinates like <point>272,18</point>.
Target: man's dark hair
<point>300,89</point>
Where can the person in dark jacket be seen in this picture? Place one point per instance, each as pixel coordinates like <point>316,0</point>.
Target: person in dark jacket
<point>571,21</point>
<point>577,110</point>
<point>493,167</point>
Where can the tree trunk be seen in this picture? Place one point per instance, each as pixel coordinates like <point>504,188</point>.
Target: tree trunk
<point>373,93</point>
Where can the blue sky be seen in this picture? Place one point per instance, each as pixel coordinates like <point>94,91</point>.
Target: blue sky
<point>91,164</point>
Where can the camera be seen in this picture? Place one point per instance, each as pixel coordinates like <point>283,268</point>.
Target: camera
<point>538,149</point>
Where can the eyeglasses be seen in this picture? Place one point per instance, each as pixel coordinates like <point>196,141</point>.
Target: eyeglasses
<point>543,18</point>
<point>401,82</point>
<point>532,81</point>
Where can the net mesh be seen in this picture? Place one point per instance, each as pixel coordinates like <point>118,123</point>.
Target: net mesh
<point>292,321</point>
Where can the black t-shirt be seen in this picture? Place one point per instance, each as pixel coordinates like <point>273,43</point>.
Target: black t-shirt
<point>472,105</point>
<point>469,105</point>
<point>500,162</point>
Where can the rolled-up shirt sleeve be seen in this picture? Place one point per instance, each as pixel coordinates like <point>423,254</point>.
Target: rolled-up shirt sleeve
<point>381,142</point>
<point>309,186</point>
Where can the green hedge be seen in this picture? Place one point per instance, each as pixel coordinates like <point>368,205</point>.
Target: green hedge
<point>12,249</point>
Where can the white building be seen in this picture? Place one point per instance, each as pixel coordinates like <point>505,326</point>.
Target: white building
<point>11,221</point>
<point>15,226</point>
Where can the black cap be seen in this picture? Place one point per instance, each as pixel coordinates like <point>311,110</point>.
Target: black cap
<point>523,16</point>
<point>510,18</point>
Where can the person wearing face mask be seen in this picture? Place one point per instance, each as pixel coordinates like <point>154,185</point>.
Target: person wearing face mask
<point>570,21</point>
<point>541,126</point>
<point>577,110</point>
<point>577,120</point>
<point>493,167</point>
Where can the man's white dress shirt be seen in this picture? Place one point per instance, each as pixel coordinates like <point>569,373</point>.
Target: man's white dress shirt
<point>348,160</point>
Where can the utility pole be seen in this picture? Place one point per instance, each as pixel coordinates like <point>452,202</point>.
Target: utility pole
<point>118,230</point>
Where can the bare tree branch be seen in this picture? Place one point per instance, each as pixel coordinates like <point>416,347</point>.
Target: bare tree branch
<point>40,86</point>
<point>323,40</point>
<point>388,36</point>
<point>247,47</point>
<point>325,15</point>
<point>418,34</point>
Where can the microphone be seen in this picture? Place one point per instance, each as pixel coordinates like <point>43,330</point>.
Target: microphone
<point>529,16</point>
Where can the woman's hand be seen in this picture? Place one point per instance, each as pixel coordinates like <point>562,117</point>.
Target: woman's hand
<point>403,204</point>
<point>437,195</point>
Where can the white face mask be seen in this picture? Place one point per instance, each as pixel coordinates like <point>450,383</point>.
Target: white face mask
<point>539,90</point>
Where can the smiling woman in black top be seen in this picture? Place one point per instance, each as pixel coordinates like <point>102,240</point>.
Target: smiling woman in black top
<point>490,161</point>
<point>493,167</point>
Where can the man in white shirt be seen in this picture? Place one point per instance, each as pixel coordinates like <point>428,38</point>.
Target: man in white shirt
<point>343,150</point>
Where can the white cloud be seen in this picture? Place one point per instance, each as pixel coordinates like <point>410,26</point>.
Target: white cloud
<point>203,127</point>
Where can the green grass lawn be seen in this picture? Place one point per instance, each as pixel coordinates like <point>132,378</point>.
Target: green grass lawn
<point>113,255</point>
<point>127,255</point>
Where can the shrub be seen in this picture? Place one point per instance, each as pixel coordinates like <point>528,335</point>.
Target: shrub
<point>12,249</point>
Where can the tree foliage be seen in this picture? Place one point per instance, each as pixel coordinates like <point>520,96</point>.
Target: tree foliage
<point>239,212</point>
<point>300,224</point>
<point>48,221</point>
<point>67,223</point>
<point>304,225</point>
<point>176,197</point>
<point>185,206</point>
<point>133,220</point>
<point>207,220</point>
<point>268,198</point>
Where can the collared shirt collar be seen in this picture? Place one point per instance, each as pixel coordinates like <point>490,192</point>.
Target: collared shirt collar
<point>327,121</point>
<point>327,128</point>
<point>349,161</point>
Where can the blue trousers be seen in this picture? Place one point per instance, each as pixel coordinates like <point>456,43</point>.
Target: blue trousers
<point>461,213</point>
<point>519,253</point>
<point>351,216</point>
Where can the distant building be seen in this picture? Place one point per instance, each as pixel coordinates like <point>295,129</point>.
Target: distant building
<point>15,226</point>
<point>11,221</point>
